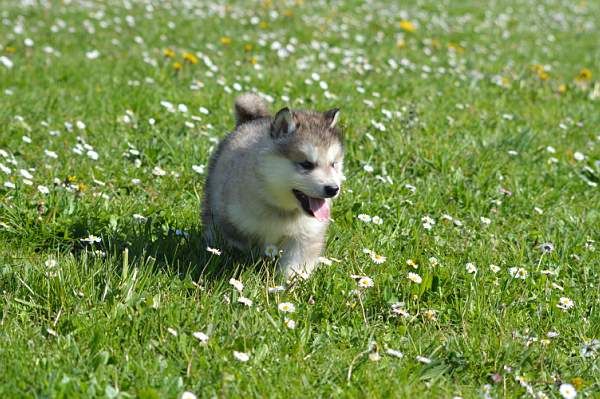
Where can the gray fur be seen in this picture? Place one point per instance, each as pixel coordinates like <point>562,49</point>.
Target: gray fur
<point>248,200</point>
<point>248,107</point>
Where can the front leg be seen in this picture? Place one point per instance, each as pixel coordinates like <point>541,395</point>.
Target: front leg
<point>300,256</point>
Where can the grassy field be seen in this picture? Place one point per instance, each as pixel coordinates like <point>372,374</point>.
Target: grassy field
<point>472,134</point>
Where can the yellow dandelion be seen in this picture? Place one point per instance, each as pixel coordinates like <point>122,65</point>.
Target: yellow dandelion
<point>177,65</point>
<point>10,50</point>
<point>562,88</point>
<point>225,40</point>
<point>190,57</point>
<point>577,383</point>
<point>540,71</point>
<point>71,179</point>
<point>407,26</point>
<point>248,47</point>
<point>169,53</point>
<point>253,60</point>
<point>263,25</point>
<point>584,75</point>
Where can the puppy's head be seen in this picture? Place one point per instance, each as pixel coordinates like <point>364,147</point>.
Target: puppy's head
<point>306,168</point>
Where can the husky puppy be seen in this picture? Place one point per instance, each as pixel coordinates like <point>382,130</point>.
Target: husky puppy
<point>271,181</point>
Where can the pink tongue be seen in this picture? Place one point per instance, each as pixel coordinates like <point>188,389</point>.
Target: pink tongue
<point>319,207</point>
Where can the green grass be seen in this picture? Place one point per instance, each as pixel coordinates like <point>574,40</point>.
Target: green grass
<point>97,323</point>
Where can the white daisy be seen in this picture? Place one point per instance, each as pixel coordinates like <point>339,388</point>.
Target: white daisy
<point>565,303</point>
<point>365,282</point>
<point>188,395</point>
<point>377,220</point>
<point>378,259</point>
<point>428,222</point>
<point>471,268</point>
<point>567,391</point>
<point>245,301</point>
<point>200,336</point>
<point>289,323</point>
<point>241,356</point>
<point>518,272</point>
<point>423,359</point>
<point>395,353</point>
<point>286,307</point>
<point>237,284</point>
<point>364,218</point>
<point>198,169</point>
<point>415,278</point>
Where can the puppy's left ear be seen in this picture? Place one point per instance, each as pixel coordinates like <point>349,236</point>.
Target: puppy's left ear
<point>283,124</point>
<point>332,116</point>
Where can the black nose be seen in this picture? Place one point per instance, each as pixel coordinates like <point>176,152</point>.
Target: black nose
<point>331,191</point>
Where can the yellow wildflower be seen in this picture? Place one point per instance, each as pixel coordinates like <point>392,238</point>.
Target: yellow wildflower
<point>190,57</point>
<point>407,26</point>
<point>225,40</point>
<point>263,25</point>
<point>577,383</point>
<point>540,71</point>
<point>288,13</point>
<point>177,65</point>
<point>248,47</point>
<point>169,53</point>
<point>562,88</point>
<point>584,75</point>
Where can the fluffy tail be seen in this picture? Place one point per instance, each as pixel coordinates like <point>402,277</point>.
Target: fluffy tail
<point>249,106</point>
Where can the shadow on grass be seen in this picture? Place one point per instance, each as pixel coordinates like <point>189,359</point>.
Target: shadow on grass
<point>181,252</point>
<point>153,243</point>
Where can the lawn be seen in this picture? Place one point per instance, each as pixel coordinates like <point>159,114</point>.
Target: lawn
<point>463,259</point>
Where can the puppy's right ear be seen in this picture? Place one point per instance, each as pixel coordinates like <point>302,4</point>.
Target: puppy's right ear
<point>283,123</point>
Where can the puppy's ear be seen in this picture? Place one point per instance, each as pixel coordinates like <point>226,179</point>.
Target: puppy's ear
<point>331,117</point>
<point>283,123</point>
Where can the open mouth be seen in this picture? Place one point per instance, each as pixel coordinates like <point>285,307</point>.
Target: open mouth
<point>315,207</point>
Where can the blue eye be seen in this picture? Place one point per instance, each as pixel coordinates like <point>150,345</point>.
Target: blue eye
<point>307,165</point>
